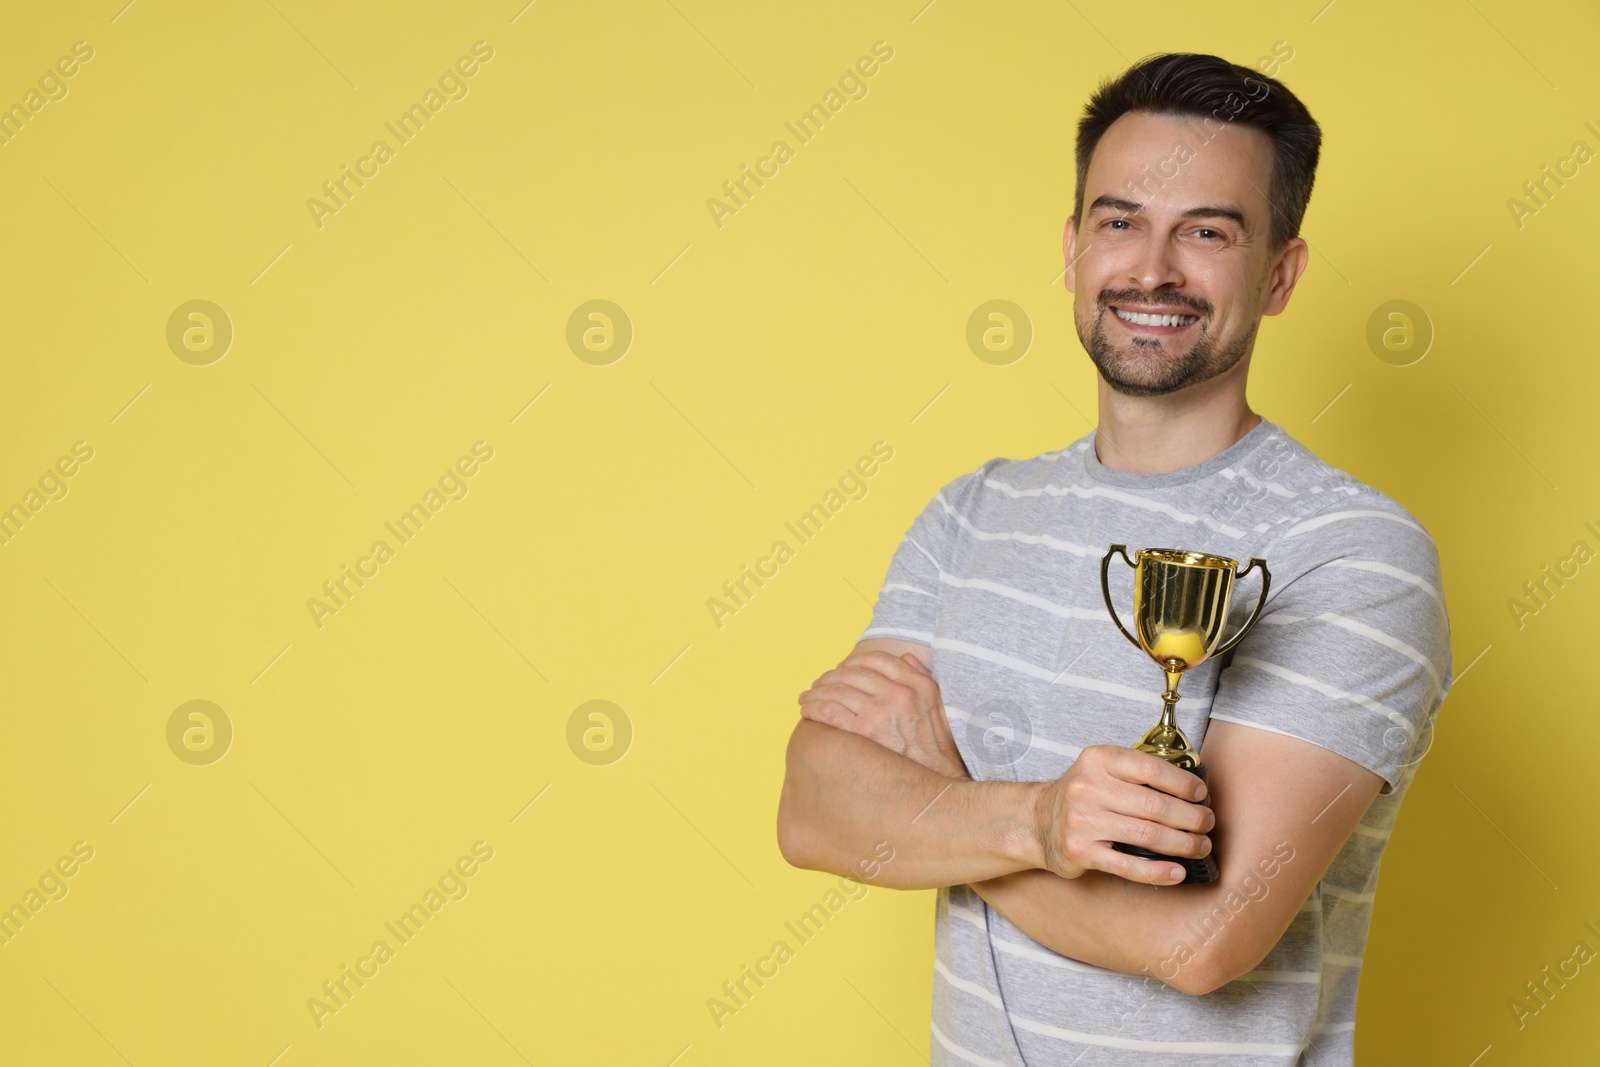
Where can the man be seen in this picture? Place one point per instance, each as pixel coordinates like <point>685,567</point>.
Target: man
<point>981,726</point>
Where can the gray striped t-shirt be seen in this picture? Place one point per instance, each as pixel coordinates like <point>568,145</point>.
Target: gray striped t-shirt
<point>1000,577</point>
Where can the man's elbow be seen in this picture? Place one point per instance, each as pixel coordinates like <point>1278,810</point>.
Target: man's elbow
<point>796,835</point>
<point>802,791</point>
<point>792,835</point>
<point>1211,967</point>
<point>1196,980</point>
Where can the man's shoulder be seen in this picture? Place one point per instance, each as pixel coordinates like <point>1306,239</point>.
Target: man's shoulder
<point>1337,510</point>
<point>1328,490</point>
<point>1009,477</point>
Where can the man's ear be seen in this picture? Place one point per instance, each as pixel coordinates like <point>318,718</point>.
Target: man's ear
<point>1290,264</point>
<point>1069,249</point>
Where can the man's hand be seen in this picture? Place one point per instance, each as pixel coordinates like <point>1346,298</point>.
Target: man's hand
<point>892,700</point>
<point>1106,796</point>
<point>845,794</point>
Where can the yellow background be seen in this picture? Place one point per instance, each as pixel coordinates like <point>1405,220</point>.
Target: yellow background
<point>768,354</point>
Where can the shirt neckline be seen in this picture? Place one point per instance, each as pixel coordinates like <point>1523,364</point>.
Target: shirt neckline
<point>1099,472</point>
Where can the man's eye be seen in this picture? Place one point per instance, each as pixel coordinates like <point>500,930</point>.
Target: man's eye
<point>1216,233</point>
<point>1113,222</point>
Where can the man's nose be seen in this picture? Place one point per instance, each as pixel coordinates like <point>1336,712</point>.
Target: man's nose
<point>1156,266</point>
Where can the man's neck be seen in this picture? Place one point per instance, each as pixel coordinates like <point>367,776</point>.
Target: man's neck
<point>1155,435</point>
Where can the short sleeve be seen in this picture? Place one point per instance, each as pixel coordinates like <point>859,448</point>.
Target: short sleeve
<point>908,601</point>
<point>1352,651</point>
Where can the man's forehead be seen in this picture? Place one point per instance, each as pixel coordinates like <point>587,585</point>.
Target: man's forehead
<point>1169,161</point>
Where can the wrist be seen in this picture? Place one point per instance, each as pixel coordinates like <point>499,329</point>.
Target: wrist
<point>1041,821</point>
<point>1018,830</point>
<point>952,767</point>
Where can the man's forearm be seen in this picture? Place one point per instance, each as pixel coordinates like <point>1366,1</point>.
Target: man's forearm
<point>1097,917</point>
<point>1041,853</point>
<point>1271,795</point>
<point>844,794</point>
<point>1193,938</point>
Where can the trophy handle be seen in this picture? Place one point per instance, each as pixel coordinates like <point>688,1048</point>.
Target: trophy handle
<point>1261,602</point>
<point>1105,588</point>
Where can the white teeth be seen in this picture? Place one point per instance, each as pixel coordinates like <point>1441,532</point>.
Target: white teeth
<point>1154,320</point>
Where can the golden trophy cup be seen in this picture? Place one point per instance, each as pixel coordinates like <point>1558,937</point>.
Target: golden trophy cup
<point>1180,605</point>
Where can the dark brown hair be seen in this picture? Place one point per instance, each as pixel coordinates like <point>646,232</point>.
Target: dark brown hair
<point>1187,84</point>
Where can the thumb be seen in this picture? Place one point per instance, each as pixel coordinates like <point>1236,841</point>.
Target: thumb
<point>911,658</point>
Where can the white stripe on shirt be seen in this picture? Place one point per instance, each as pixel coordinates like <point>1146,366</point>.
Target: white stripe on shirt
<point>1392,571</point>
<point>1121,496</point>
<point>1341,516</point>
<point>1327,690</point>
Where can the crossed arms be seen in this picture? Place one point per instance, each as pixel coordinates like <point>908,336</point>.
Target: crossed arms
<point>872,760</point>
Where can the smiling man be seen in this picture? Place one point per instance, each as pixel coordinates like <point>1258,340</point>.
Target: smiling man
<point>980,726</point>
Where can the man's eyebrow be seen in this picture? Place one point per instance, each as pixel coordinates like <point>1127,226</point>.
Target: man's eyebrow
<point>1115,203</point>
<point>1207,211</point>
<point>1217,211</point>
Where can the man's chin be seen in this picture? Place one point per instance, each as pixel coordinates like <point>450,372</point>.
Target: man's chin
<point>1136,380</point>
<point>1139,389</point>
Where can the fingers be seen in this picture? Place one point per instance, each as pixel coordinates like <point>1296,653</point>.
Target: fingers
<point>853,700</point>
<point>879,675</point>
<point>1151,872</point>
<point>1096,815</point>
<point>866,679</point>
<point>892,667</point>
<point>1098,806</point>
<point>1113,779</point>
<point>830,713</point>
<point>1152,835</point>
<point>1152,805</point>
<point>1141,768</point>
<point>864,688</point>
<point>916,663</point>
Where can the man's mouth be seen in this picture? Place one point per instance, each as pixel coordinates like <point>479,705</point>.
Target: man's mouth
<point>1155,322</point>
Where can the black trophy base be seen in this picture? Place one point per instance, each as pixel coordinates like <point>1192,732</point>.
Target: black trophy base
<point>1200,871</point>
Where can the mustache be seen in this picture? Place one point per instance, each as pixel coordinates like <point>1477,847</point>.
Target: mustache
<point>1196,305</point>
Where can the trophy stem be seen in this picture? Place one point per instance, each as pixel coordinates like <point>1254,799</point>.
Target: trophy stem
<point>1166,738</point>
